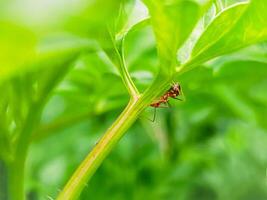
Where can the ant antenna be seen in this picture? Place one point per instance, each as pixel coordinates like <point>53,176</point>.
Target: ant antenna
<point>154,115</point>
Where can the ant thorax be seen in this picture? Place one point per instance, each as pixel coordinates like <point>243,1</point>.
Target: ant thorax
<point>173,92</point>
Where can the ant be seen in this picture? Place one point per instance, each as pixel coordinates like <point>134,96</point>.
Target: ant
<point>173,92</point>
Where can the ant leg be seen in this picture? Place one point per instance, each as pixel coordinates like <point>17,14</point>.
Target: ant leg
<point>178,99</point>
<point>148,118</point>
<point>154,115</point>
<point>155,111</point>
<point>166,105</point>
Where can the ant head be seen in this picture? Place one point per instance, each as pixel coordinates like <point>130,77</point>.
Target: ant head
<point>176,87</point>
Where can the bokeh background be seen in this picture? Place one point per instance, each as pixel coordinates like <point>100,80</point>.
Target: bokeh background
<point>212,146</point>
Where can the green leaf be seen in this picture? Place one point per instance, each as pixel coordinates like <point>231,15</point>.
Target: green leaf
<point>237,27</point>
<point>17,47</point>
<point>219,27</point>
<point>18,54</point>
<point>172,23</point>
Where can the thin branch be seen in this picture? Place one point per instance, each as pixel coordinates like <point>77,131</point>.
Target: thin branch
<point>132,88</point>
<point>219,5</point>
<point>3,180</point>
<point>100,151</point>
<point>112,136</point>
<point>126,78</point>
<point>48,129</point>
<point>16,168</point>
<point>22,142</point>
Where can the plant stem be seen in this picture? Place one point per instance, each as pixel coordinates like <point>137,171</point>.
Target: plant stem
<point>90,164</point>
<point>121,64</point>
<point>16,179</point>
<point>17,166</point>
<point>3,180</point>
<point>125,74</point>
<point>219,5</point>
<point>100,151</point>
<point>48,129</point>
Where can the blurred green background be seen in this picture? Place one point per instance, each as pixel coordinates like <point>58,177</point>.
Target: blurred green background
<point>212,146</point>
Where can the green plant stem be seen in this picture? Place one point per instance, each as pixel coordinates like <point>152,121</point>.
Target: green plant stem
<point>219,5</point>
<point>17,166</point>
<point>55,126</point>
<point>121,64</point>
<point>16,178</point>
<point>22,142</point>
<point>90,164</point>
<point>100,151</point>
<point>3,180</point>
<point>125,74</point>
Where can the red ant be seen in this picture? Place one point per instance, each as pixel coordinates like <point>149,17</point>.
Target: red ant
<point>173,92</point>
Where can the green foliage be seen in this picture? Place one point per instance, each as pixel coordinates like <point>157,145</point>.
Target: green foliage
<point>243,28</point>
<point>172,23</point>
<point>67,74</point>
<point>17,48</point>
